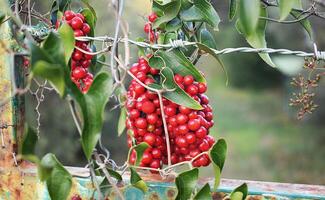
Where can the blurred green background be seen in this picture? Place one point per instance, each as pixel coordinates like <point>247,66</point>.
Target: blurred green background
<point>265,140</point>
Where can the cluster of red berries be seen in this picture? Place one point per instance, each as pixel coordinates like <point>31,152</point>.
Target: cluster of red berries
<point>80,61</point>
<point>188,129</point>
<point>152,35</point>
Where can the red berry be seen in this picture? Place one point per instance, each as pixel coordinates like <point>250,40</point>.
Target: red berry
<point>134,68</point>
<point>76,23</point>
<point>193,124</point>
<point>204,146</point>
<point>146,158</point>
<point>76,197</point>
<point>210,139</point>
<point>79,72</point>
<point>170,111</point>
<point>88,56</point>
<point>86,28</point>
<point>188,80</point>
<point>155,164</point>
<point>69,14</point>
<point>201,132</point>
<point>182,129</point>
<point>134,114</point>
<point>139,89</point>
<point>77,55</point>
<point>147,27</point>
<point>190,138</point>
<point>148,107</point>
<point>141,76</point>
<point>192,90</point>
<point>86,63</point>
<point>152,17</point>
<point>80,16</point>
<point>78,33</point>
<point>178,78</point>
<point>154,71</point>
<point>141,123</point>
<point>202,87</point>
<point>156,153</point>
<point>181,141</point>
<point>152,118</point>
<point>181,118</point>
<point>149,138</point>
<point>184,110</point>
<point>172,121</point>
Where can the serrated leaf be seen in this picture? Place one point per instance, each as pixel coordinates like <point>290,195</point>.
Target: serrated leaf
<point>177,61</point>
<point>249,12</point>
<point>218,156</point>
<point>68,40</point>
<point>156,62</point>
<point>58,179</point>
<point>233,4</point>
<point>204,193</point>
<point>137,182</point>
<point>29,141</point>
<point>239,193</point>
<point>257,38</point>
<point>92,106</point>
<point>185,183</point>
<point>176,95</point>
<point>90,19</point>
<point>203,11</point>
<point>52,72</point>
<point>121,121</point>
<point>305,23</point>
<point>139,149</point>
<point>285,8</point>
<point>170,11</point>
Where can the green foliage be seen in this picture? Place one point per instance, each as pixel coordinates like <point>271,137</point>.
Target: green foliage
<point>170,11</point>
<point>91,20</point>
<point>233,4</point>
<point>239,193</point>
<point>285,8</point>
<point>185,183</point>
<point>249,12</point>
<point>92,106</point>
<point>29,141</point>
<point>58,179</point>
<point>137,182</point>
<point>121,121</point>
<point>139,149</point>
<point>305,23</point>
<point>218,156</point>
<point>204,193</point>
<point>68,41</point>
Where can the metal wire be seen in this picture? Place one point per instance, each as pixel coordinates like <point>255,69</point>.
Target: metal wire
<point>319,55</point>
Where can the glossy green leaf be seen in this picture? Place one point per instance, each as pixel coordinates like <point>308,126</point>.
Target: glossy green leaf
<point>121,121</point>
<point>156,62</point>
<point>204,193</point>
<point>177,61</point>
<point>305,23</point>
<point>29,141</point>
<point>176,94</point>
<point>52,72</point>
<point>139,149</point>
<point>207,38</point>
<point>218,156</point>
<point>233,4</point>
<point>170,11</point>
<point>285,8</point>
<point>54,48</point>
<point>203,11</point>
<point>2,17</point>
<point>249,12</point>
<point>257,38</point>
<point>91,20</point>
<point>92,107</point>
<point>173,25</point>
<point>185,183</point>
<point>169,37</point>
<point>137,182</point>
<point>239,193</point>
<point>114,174</point>
<point>68,41</point>
<point>58,179</point>
<point>86,2</point>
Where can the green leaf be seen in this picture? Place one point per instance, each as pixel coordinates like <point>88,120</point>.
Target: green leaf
<point>203,11</point>
<point>98,65</point>
<point>114,174</point>
<point>92,107</point>
<point>54,48</point>
<point>121,122</point>
<point>86,2</point>
<point>139,149</point>
<point>141,52</point>
<point>257,38</point>
<point>285,8</point>
<point>52,72</point>
<point>305,23</point>
<point>249,12</point>
<point>91,20</point>
<point>170,11</point>
<point>58,179</point>
<point>176,95</point>
<point>173,25</point>
<point>156,62</point>
<point>218,156</point>
<point>239,193</point>
<point>137,182</point>
<point>185,183</point>
<point>233,4</point>
<point>204,193</point>
<point>207,39</point>
<point>177,61</point>
<point>29,142</point>
<point>68,40</point>
<point>2,17</point>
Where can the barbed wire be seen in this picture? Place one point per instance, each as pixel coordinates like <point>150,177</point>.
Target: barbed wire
<point>319,55</point>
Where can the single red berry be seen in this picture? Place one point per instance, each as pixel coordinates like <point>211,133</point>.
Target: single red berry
<point>141,123</point>
<point>148,107</point>
<point>69,14</point>
<point>190,138</point>
<point>155,164</point>
<point>170,111</point>
<point>134,114</point>
<point>184,110</point>
<point>147,27</point>
<point>85,63</point>
<point>79,72</point>
<point>152,17</point>
<point>202,87</point>
<point>134,69</point>
<point>80,16</point>
<point>203,160</point>
<point>192,89</point>
<point>139,89</point>
<point>154,71</point>
<point>88,56</point>
<point>178,78</point>
<point>210,139</point>
<point>151,128</point>
<point>146,158</point>
<point>78,33</point>
<point>181,118</point>
<point>194,152</point>
<point>77,55</point>
<point>172,121</point>
<point>149,81</point>
<point>149,138</point>
<point>141,76</point>
<point>201,132</point>
<point>76,23</point>
<point>192,115</point>
<point>209,116</point>
<point>141,132</point>
<point>193,124</point>
<point>188,80</point>
<point>144,67</point>
<point>204,146</point>
<point>174,158</point>
<point>156,153</point>
<point>86,28</point>
<point>152,36</point>
<point>181,141</point>
<point>204,99</point>
<point>182,129</point>
<point>152,118</point>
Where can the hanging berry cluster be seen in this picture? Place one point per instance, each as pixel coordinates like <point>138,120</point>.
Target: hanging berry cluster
<point>80,61</point>
<point>152,35</point>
